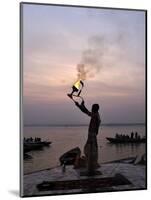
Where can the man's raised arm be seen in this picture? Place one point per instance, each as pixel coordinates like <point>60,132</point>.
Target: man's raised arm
<point>83,108</point>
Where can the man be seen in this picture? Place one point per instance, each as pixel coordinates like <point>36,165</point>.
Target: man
<point>91,147</point>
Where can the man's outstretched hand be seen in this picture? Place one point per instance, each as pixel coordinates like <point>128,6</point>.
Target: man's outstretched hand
<point>76,103</point>
<point>82,107</point>
<point>79,105</point>
<point>82,103</point>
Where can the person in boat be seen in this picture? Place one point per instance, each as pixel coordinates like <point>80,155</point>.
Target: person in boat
<point>139,137</point>
<point>136,135</point>
<point>91,146</point>
<point>127,137</point>
<point>132,135</point>
<point>120,136</point>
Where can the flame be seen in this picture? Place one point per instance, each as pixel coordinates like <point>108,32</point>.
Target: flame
<point>77,84</point>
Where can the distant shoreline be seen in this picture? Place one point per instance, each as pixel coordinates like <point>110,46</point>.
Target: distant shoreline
<point>77,125</point>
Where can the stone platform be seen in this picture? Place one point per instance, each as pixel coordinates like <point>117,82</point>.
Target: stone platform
<point>135,174</point>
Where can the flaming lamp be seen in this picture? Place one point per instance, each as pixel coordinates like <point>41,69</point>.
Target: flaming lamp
<point>77,87</point>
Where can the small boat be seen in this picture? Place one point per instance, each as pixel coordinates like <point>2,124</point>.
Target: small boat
<point>46,143</point>
<point>126,140</point>
<point>69,157</point>
<point>32,145</point>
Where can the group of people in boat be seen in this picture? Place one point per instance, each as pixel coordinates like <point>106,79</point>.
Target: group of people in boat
<point>133,135</point>
<point>36,139</point>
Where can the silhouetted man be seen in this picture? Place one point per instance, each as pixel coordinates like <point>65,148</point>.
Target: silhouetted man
<point>91,147</point>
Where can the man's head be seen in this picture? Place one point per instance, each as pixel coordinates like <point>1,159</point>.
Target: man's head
<point>95,108</point>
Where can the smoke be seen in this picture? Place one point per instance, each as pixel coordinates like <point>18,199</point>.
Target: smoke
<point>101,52</point>
<point>92,58</point>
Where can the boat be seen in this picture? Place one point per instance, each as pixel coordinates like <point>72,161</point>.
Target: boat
<point>126,140</point>
<point>32,145</point>
<point>69,157</point>
<point>46,143</point>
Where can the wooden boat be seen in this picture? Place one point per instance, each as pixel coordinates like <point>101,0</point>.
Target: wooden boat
<point>126,140</point>
<point>69,157</point>
<point>28,146</point>
<point>31,146</point>
<point>46,143</point>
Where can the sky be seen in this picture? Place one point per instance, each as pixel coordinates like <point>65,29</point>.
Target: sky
<point>111,45</point>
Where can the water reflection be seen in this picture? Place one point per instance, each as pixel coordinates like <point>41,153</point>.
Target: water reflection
<point>120,147</point>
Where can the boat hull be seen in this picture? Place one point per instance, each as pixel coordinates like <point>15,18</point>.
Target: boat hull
<point>69,157</point>
<point>32,146</point>
<point>118,140</point>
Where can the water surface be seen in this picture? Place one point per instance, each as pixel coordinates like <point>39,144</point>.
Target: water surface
<point>66,138</point>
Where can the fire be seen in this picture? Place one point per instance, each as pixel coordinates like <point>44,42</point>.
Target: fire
<point>77,84</point>
<point>76,88</point>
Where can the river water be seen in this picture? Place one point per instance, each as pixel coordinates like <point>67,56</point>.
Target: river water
<point>66,138</point>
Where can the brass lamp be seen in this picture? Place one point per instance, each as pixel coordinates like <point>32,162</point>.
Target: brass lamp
<point>76,88</point>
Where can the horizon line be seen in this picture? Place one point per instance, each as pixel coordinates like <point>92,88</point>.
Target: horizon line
<point>104,124</point>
